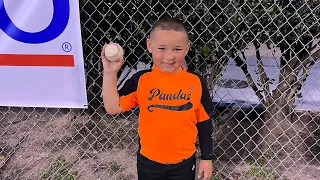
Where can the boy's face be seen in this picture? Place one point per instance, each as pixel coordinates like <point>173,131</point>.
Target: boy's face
<point>168,49</point>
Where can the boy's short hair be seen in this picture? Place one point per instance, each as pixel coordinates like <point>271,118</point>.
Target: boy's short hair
<point>169,23</point>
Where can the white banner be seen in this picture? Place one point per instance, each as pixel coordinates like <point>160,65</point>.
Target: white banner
<point>41,58</point>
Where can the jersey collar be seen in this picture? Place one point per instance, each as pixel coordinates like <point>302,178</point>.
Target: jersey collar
<point>158,71</point>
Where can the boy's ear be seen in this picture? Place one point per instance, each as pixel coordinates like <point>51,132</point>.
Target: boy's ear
<point>149,45</point>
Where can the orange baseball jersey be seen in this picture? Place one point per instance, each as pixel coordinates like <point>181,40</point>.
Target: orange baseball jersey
<point>171,106</point>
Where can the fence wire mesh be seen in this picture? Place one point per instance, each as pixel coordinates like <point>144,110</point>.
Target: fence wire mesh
<point>258,57</point>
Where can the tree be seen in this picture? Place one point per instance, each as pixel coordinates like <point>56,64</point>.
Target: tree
<point>293,28</point>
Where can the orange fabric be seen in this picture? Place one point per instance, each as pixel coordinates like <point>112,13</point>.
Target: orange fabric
<point>167,134</point>
<point>129,101</point>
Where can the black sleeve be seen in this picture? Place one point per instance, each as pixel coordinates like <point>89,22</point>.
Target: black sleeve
<point>206,145</point>
<point>206,99</point>
<point>205,128</point>
<point>131,84</point>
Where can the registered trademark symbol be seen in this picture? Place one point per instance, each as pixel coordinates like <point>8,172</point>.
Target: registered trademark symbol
<point>66,47</point>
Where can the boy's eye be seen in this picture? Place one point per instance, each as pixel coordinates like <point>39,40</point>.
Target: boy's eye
<point>161,49</point>
<point>178,49</point>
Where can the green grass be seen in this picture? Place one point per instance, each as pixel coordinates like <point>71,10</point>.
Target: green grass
<point>59,171</point>
<point>114,168</point>
<point>258,170</point>
<point>215,178</point>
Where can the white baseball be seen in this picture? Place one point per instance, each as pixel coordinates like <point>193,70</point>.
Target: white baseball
<point>113,52</point>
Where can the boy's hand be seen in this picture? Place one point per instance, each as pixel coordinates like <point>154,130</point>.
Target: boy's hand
<point>205,169</point>
<point>108,66</point>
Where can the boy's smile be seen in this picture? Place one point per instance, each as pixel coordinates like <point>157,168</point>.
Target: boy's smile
<point>168,49</point>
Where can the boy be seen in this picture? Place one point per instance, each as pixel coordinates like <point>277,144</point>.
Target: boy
<point>175,107</point>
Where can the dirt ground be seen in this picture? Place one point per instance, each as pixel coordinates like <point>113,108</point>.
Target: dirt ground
<point>38,143</point>
<point>236,142</point>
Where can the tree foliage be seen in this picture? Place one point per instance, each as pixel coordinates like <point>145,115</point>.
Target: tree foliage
<point>290,26</point>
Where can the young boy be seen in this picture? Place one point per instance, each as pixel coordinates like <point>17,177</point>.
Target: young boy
<point>175,107</point>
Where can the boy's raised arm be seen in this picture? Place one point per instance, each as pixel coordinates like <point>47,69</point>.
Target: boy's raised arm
<point>110,93</point>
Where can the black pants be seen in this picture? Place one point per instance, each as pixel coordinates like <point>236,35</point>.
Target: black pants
<point>151,170</point>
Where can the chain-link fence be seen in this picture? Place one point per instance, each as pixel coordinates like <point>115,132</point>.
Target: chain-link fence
<point>260,61</point>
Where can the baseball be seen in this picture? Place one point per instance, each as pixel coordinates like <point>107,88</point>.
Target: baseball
<point>113,52</point>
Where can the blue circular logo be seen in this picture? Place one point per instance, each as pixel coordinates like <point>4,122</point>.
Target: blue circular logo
<point>61,14</point>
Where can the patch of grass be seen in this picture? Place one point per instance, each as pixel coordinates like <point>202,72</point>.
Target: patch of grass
<point>2,157</point>
<point>260,172</point>
<point>114,168</point>
<point>59,170</point>
<point>215,178</point>
<point>258,169</point>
